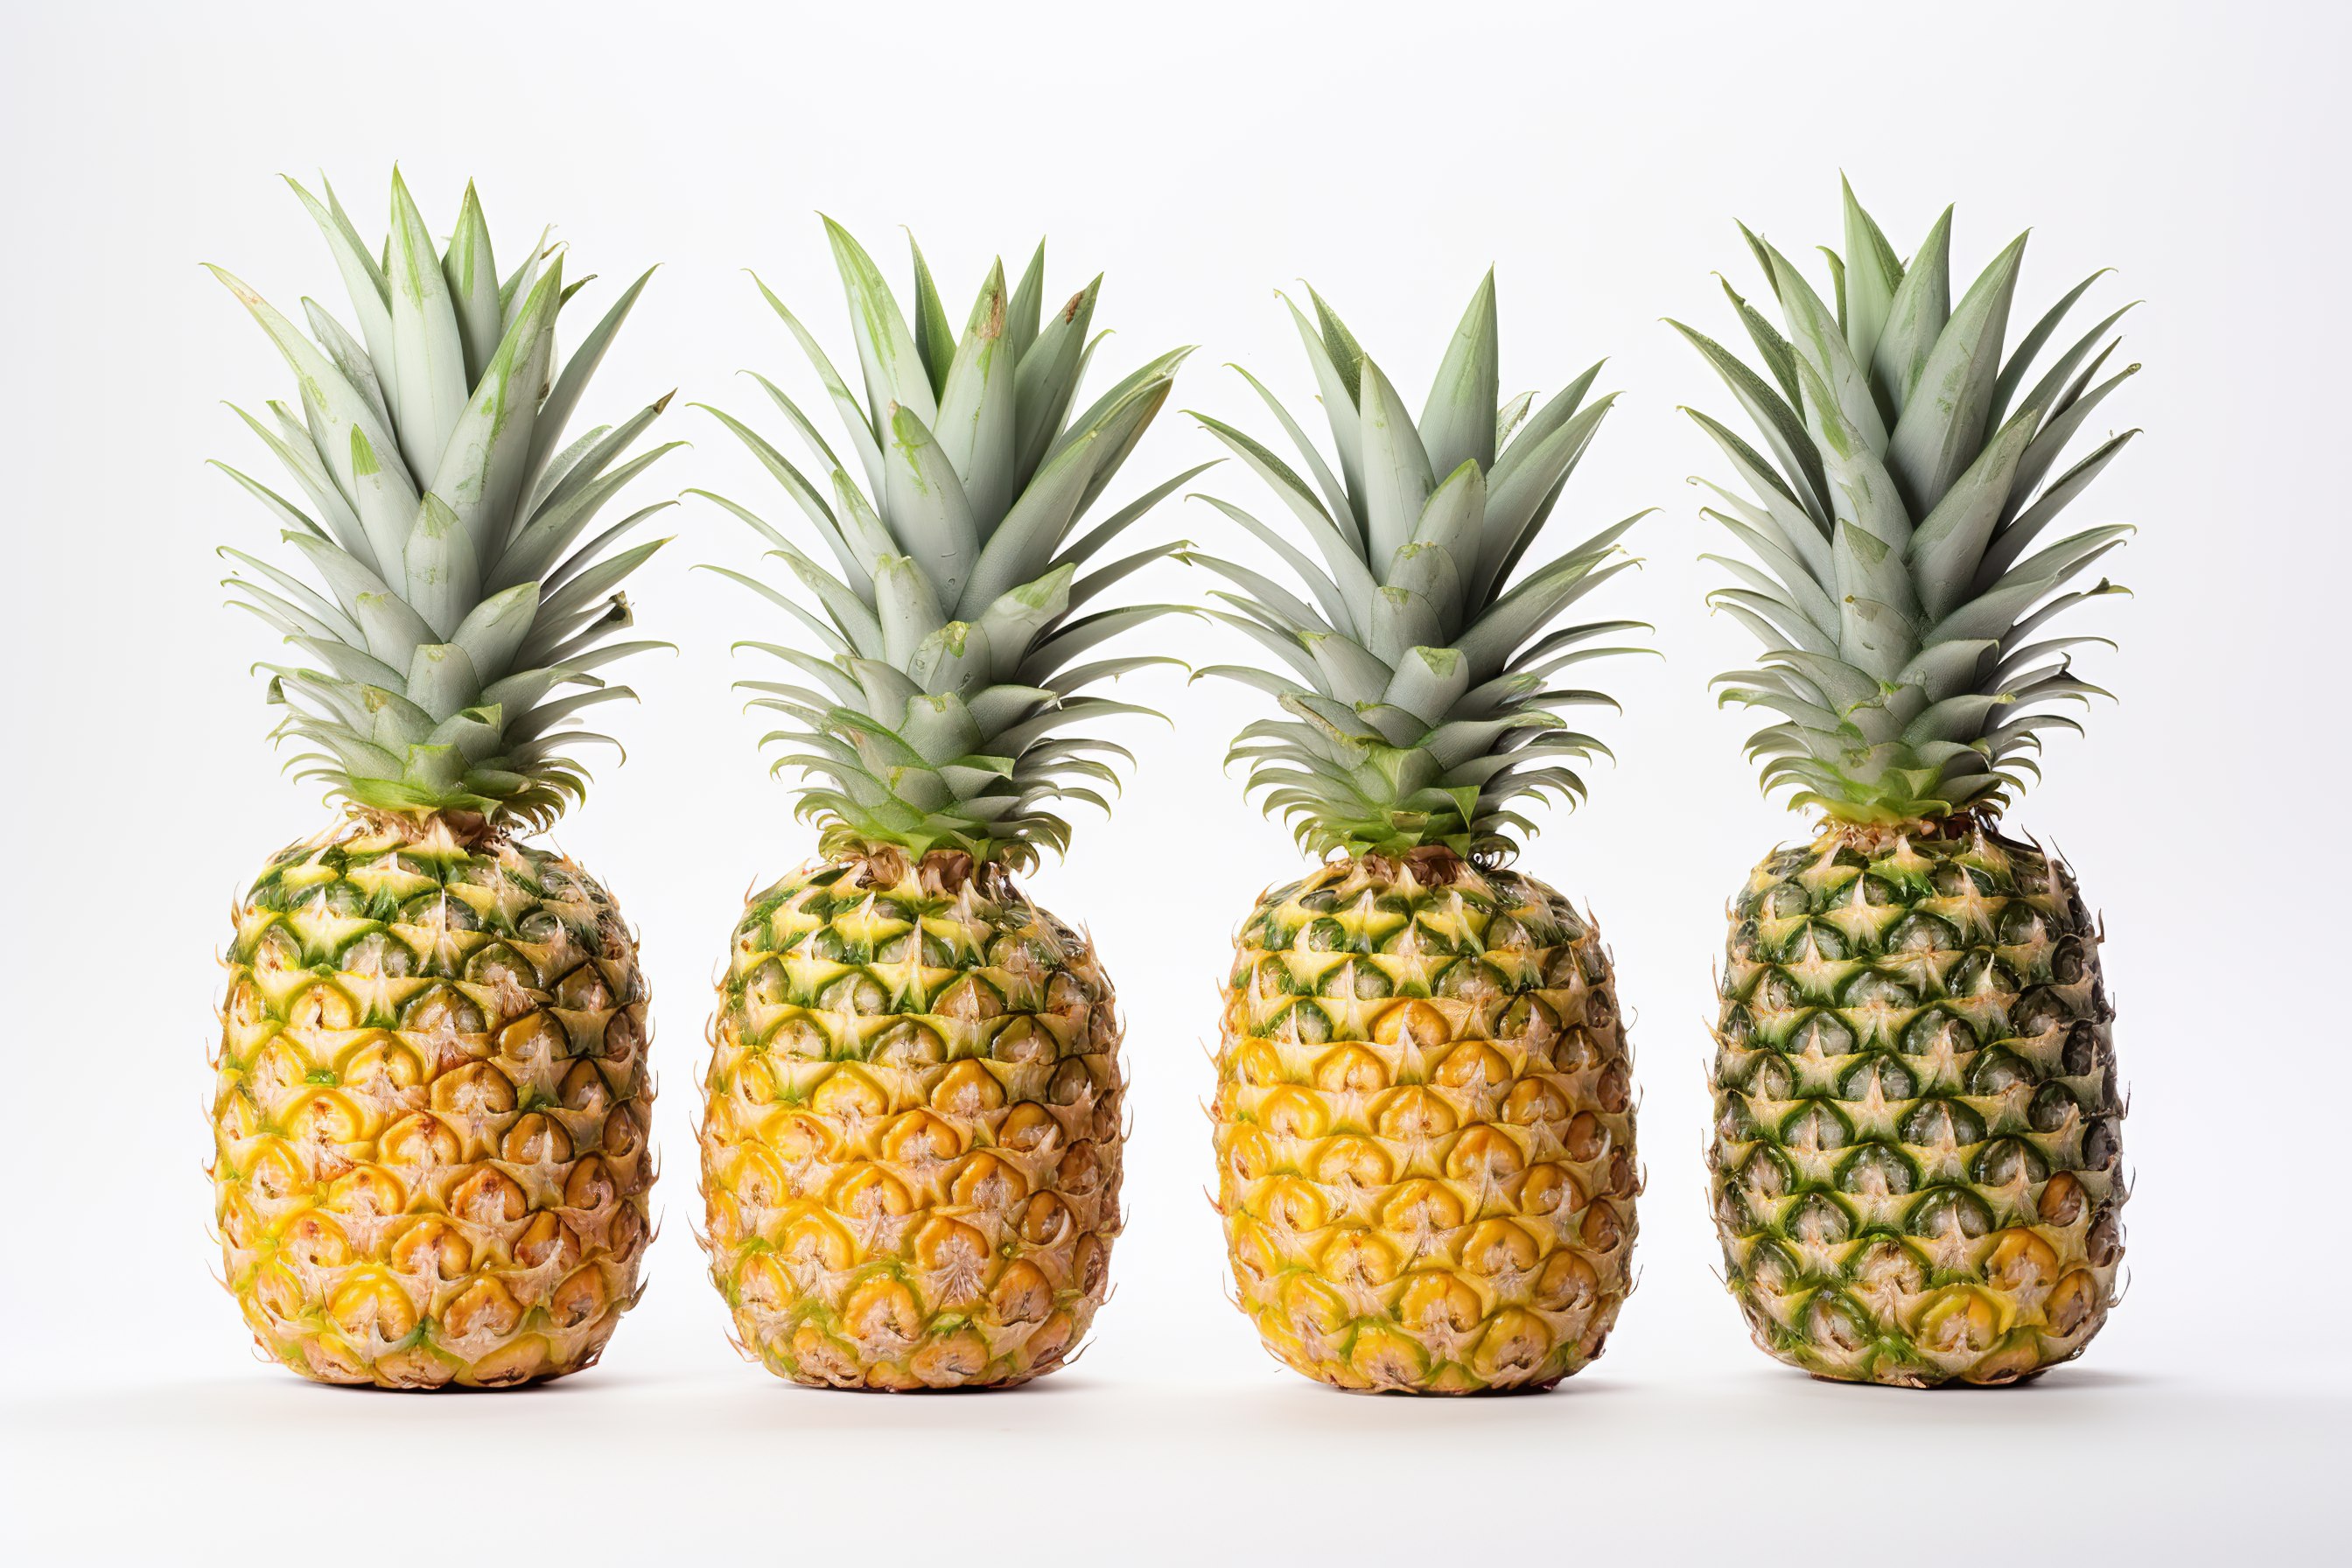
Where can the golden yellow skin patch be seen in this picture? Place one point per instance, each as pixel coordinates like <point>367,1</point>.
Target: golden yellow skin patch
<point>1424,1129</point>
<point>911,1139</point>
<point>431,1109</point>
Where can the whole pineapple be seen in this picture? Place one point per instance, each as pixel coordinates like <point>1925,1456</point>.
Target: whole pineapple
<point>430,1162</point>
<point>1423,1119</point>
<point>1916,1161</point>
<point>911,1135</point>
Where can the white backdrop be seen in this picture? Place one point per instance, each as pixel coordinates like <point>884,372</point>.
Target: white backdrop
<point>1204,156</point>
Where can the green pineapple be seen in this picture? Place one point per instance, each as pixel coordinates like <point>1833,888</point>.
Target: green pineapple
<point>1915,1167</point>
<point>432,1107</point>
<point>911,1141</point>
<point>1424,1119</point>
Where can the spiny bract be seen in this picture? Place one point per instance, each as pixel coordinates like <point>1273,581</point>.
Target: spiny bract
<point>1915,1159</point>
<point>1423,1119</point>
<point>911,1138</point>
<point>432,1098</point>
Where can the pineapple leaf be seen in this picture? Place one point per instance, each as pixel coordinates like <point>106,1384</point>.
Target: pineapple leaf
<point>1915,318</point>
<point>1943,424</point>
<point>1335,494</point>
<point>1457,423</point>
<point>1783,430</point>
<point>976,408</point>
<point>481,471</point>
<point>1397,477</point>
<point>348,357</point>
<point>471,273</point>
<point>556,411</point>
<point>895,376</point>
<point>1338,398</point>
<point>1813,333</point>
<point>2020,363</point>
<point>1021,317</point>
<point>430,384</point>
<point>370,296</point>
<point>338,407</point>
<point>1873,274</point>
<point>1032,531</point>
<point>935,342</point>
<point>928,512</point>
<point>442,575</point>
<point>854,416</point>
<point>1047,378</point>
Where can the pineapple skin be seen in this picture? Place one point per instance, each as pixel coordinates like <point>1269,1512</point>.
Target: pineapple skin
<point>1424,1127</point>
<point>911,1138</point>
<point>1917,1172</point>
<point>431,1164</point>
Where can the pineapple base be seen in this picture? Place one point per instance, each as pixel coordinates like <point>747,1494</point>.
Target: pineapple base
<point>911,1136</point>
<point>1917,1172</point>
<point>431,1110</point>
<point>1425,1129</point>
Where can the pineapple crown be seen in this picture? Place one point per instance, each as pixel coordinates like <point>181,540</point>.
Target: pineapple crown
<point>954,653</point>
<point>1900,526</point>
<point>443,512</point>
<point>1417,689</point>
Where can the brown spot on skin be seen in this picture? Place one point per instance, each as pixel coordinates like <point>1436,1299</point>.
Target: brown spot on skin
<point>945,872</point>
<point>1430,865</point>
<point>882,868</point>
<point>467,829</point>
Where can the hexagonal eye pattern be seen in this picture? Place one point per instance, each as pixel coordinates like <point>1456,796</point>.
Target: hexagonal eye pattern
<point>1917,1131</point>
<point>1424,1132</point>
<point>430,1167</point>
<point>911,1148</point>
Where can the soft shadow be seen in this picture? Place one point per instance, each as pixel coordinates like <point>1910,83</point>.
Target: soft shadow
<point>1580,1389</point>
<point>1035,1388</point>
<point>2054,1380</point>
<point>2061,1379</point>
<point>587,1379</point>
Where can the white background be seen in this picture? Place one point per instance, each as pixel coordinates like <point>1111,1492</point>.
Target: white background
<point>1204,155</point>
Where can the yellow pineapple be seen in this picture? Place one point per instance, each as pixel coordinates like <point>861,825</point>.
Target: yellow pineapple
<point>1423,1119</point>
<point>432,1100</point>
<point>911,1139</point>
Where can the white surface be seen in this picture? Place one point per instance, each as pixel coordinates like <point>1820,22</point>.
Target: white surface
<point>1202,155</point>
<point>1629,1465</point>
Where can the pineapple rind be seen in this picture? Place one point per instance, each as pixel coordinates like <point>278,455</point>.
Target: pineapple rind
<point>1424,1129</point>
<point>431,1162</point>
<point>1916,1174</point>
<point>912,1141</point>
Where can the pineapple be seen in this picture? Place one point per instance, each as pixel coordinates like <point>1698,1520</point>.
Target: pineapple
<point>1916,1170</point>
<point>911,1135</point>
<point>1423,1119</point>
<point>430,1122</point>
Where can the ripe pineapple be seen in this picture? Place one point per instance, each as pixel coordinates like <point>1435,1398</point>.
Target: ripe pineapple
<point>1423,1122</point>
<point>911,1136</point>
<point>1915,1162</point>
<point>430,1162</point>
